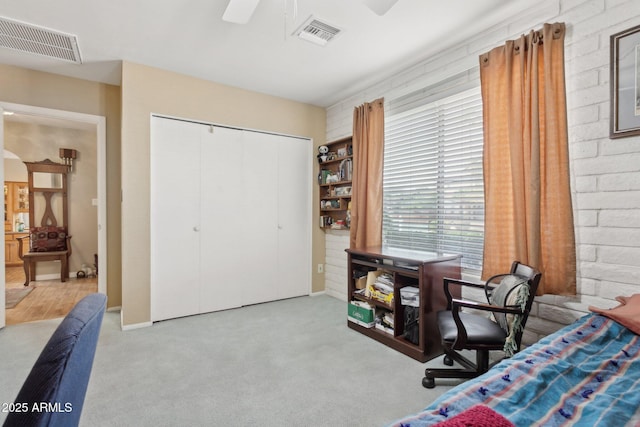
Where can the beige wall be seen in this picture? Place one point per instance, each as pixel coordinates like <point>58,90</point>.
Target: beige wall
<point>34,143</point>
<point>14,170</point>
<point>22,86</point>
<point>147,90</point>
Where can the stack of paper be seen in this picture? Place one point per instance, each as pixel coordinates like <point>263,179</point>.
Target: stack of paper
<point>382,288</point>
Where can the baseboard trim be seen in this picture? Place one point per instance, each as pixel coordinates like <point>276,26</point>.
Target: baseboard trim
<point>136,326</point>
<point>315,294</point>
<point>133,326</point>
<point>337,295</point>
<point>51,276</point>
<point>112,309</point>
<point>54,276</point>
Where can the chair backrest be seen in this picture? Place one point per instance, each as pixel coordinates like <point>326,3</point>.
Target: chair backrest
<point>517,269</point>
<point>55,388</point>
<point>505,290</point>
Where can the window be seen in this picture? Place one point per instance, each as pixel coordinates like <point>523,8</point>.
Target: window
<point>433,185</point>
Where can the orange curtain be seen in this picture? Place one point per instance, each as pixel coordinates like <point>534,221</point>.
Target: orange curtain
<point>528,211</point>
<point>366,192</point>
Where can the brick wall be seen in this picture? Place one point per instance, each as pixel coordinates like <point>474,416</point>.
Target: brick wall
<point>605,173</point>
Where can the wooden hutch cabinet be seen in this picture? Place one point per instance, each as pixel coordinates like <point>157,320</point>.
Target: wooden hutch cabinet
<point>16,201</point>
<point>334,178</point>
<point>423,272</point>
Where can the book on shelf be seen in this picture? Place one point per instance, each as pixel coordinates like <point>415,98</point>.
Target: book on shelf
<point>324,173</point>
<point>346,170</point>
<point>325,221</point>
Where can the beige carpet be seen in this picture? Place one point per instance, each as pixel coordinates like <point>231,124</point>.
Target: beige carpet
<point>278,364</point>
<point>13,296</point>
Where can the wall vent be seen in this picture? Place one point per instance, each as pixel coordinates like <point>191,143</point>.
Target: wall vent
<point>38,40</point>
<point>316,31</point>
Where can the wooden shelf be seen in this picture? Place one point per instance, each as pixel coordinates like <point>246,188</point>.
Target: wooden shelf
<point>397,343</point>
<point>372,301</point>
<point>423,270</point>
<point>336,190</point>
<point>334,184</point>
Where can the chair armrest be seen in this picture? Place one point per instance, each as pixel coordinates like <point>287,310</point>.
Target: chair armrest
<point>461,282</point>
<point>21,245</point>
<point>447,292</point>
<point>458,303</point>
<point>492,279</point>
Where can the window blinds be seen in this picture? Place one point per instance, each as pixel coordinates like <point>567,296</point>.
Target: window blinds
<point>433,185</point>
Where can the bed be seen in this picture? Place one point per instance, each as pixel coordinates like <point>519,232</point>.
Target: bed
<point>587,373</point>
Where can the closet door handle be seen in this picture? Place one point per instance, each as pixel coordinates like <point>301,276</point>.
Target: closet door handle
<point>196,228</point>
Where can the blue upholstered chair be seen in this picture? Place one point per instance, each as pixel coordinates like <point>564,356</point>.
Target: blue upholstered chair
<point>54,391</point>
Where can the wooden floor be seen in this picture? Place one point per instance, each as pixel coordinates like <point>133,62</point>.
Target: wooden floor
<point>50,299</point>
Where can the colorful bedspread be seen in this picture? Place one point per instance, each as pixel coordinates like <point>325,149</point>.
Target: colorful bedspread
<point>586,374</point>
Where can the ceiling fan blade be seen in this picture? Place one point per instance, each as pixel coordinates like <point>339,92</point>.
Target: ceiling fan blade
<point>380,7</point>
<point>239,11</point>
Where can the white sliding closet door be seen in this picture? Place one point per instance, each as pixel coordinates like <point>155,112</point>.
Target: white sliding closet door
<point>258,234</point>
<point>175,211</point>
<point>230,217</point>
<point>220,218</point>
<point>294,218</point>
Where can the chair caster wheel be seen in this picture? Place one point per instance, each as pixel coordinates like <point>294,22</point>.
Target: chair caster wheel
<point>448,360</point>
<point>428,382</point>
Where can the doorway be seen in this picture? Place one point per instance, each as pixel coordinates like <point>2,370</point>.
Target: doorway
<point>96,126</point>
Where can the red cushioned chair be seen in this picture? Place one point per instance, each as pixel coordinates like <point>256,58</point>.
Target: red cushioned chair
<point>48,241</point>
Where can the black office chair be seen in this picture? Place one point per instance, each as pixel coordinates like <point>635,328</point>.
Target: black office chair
<point>509,299</point>
<point>53,393</point>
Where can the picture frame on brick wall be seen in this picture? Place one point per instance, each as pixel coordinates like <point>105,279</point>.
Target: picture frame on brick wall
<point>625,83</point>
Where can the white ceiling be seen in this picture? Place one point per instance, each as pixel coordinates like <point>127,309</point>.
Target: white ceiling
<point>189,37</point>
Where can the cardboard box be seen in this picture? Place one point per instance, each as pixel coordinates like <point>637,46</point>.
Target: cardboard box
<point>372,276</point>
<point>410,295</point>
<point>361,313</point>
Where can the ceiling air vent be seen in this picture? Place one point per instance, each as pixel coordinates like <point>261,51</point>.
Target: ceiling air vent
<point>316,31</point>
<point>38,40</point>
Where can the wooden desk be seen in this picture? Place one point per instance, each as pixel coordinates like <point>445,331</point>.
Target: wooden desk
<point>423,270</point>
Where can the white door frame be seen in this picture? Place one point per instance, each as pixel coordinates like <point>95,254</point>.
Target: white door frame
<point>101,139</point>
